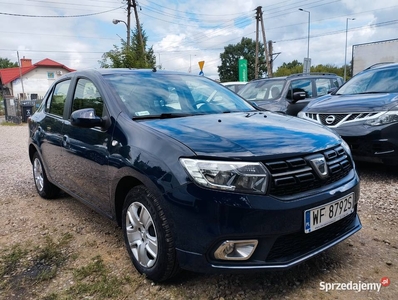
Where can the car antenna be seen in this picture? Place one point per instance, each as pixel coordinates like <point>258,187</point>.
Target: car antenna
<point>154,69</point>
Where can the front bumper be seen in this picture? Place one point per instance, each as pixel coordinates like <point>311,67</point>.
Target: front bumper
<point>372,143</point>
<point>203,224</point>
<point>297,250</point>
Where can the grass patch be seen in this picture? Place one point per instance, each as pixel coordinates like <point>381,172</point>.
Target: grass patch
<point>10,260</point>
<point>94,280</point>
<point>22,267</point>
<point>5,123</point>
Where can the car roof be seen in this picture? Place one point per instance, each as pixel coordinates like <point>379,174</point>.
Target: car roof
<point>105,71</point>
<point>302,75</point>
<point>382,65</point>
<point>233,82</point>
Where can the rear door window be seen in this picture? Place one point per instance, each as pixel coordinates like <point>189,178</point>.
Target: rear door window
<point>323,85</point>
<point>56,101</point>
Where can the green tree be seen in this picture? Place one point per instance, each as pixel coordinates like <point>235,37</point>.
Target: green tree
<point>6,63</point>
<point>289,68</point>
<point>246,48</point>
<point>295,67</point>
<point>130,56</point>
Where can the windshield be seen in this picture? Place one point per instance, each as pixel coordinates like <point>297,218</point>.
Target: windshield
<point>148,95</point>
<point>262,90</point>
<point>373,81</point>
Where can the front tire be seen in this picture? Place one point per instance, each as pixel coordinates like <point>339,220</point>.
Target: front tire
<point>148,236</point>
<point>44,187</point>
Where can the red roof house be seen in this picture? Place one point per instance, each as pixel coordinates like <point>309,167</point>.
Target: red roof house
<point>37,77</point>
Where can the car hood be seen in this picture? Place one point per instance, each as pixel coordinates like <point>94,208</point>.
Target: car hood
<point>250,134</point>
<point>353,103</point>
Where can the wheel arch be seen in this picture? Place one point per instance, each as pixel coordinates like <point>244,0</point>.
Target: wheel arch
<point>122,188</point>
<point>32,151</point>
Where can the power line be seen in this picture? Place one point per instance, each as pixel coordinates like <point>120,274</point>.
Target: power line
<point>72,16</point>
<point>185,12</point>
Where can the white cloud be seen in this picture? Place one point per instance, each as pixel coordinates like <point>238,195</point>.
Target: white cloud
<point>183,33</point>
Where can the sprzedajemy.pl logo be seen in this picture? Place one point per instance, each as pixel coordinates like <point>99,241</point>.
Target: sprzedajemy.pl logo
<point>354,286</point>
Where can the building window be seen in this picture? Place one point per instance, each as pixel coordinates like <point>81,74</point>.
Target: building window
<point>50,75</point>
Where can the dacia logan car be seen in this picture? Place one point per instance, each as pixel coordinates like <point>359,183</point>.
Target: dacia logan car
<point>203,182</point>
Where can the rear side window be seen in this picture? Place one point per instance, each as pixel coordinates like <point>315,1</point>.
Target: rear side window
<point>323,85</point>
<point>56,102</point>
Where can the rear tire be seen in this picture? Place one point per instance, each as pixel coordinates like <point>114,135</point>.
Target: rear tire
<point>148,236</point>
<point>44,187</point>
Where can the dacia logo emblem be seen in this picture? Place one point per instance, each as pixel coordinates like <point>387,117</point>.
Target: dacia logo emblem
<point>330,119</point>
<point>319,165</point>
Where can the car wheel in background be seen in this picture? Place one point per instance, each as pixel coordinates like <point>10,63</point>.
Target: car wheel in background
<point>148,236</point>
<point>44,187</point>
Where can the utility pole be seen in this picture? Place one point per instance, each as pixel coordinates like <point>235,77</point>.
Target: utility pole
<point>128,23</point>
<point>20,76</point>
<point>259,18</point>
<point>269,71</point>
<point>271,63</point>
<point>138,25</point>
<point>258,10</point>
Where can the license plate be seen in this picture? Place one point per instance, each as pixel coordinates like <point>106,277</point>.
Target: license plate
<point>321,216</point>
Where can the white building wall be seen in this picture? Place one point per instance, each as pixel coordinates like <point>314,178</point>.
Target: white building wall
<point>37,81</point>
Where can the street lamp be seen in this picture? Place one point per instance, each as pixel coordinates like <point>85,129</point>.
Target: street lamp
<point>308,38</point>
<point>190,63</point>
<point>345,50</point>
<point>116,21</point>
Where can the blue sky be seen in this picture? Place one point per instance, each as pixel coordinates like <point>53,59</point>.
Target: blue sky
<point>185,32</point>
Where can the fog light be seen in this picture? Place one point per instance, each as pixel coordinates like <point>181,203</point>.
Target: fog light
<point>236,250</point>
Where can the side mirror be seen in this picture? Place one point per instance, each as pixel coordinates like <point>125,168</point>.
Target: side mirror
<point>86,118</point>
<point>256,106</point>
<point>298,96</point>
<point>333,91</point>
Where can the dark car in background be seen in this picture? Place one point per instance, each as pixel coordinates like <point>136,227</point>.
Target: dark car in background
<point>364,111</point>
<point>196,177</point>
<point>289,94</point>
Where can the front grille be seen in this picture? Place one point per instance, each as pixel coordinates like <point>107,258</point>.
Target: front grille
<point>291,246</point>
<point>339,118</point>
<point>296,175</point>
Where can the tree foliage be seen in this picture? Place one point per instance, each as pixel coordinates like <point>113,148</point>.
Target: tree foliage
<point>6,63</point>
<point>295,67</point>
<point>246,48</point>
<point>130,56</point>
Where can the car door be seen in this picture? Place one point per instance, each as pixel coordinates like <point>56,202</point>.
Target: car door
<point>50,131</point>
<point>87,150</point>
<point>299,85</point>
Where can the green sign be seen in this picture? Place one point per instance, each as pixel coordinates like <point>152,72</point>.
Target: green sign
<point>242,69</point>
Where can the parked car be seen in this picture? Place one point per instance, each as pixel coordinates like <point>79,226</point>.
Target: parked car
<point>200,183</point>
<point>364,111</point>
<point>289,94</point>
<point>235,86</point>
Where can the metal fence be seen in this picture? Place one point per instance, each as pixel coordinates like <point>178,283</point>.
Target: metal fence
<point>17,111</point>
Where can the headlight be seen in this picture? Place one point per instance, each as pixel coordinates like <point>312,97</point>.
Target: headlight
<point>346,147</point>
<point>231,176</point>
<point>386,118</point>
<point>301,114</point>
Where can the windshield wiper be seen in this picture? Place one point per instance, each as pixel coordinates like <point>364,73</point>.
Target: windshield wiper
<point>163,116</point>
<point>370,92</point>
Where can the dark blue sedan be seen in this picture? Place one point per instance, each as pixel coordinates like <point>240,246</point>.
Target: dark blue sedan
<point>196,177</point>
